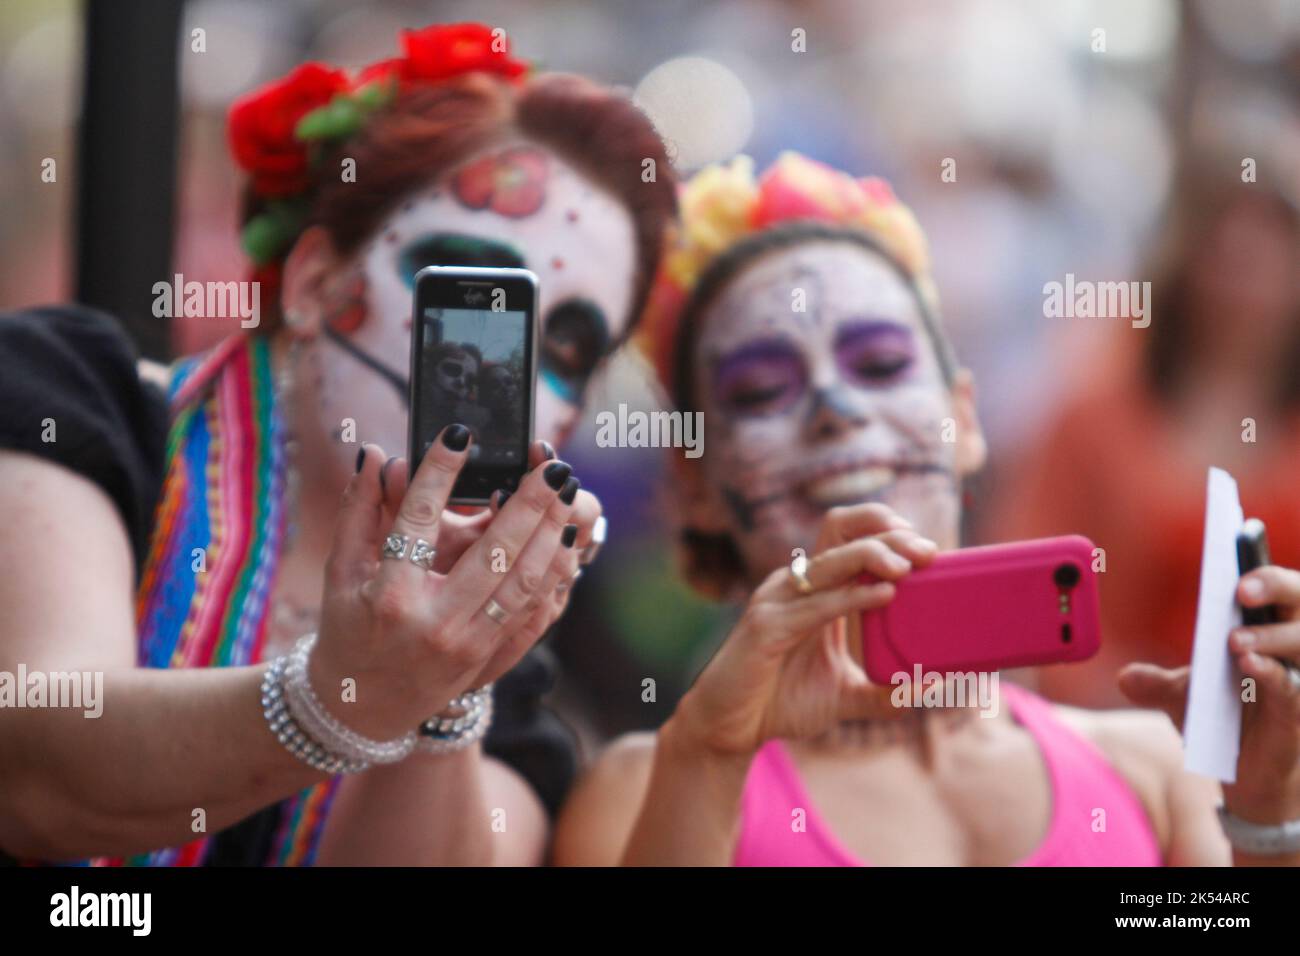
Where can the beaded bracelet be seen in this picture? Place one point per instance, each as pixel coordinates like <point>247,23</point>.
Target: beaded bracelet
<point>327,730</point>
<point>466,726</point>
<point>287,731</point>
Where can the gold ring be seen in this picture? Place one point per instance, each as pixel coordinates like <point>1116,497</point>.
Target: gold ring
<point>801,582</point>
<point>495,611</point>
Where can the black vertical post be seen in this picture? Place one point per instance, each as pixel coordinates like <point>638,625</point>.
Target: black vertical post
<point>127,162</point>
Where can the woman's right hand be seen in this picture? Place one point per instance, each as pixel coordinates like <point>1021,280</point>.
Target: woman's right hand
<point>786,669</point>
<point>412,639</point>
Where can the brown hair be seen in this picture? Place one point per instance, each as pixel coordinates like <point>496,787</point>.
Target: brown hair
<point>426,132</point>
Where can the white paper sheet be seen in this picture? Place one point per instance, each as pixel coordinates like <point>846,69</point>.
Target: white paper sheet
<point>1212,726</point>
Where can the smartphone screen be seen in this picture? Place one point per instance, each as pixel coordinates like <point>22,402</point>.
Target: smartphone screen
<point>472,363</point>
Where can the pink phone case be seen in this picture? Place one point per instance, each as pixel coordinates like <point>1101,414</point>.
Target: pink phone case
<point>983,609</point>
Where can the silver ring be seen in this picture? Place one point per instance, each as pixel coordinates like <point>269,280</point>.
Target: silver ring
<point>395,546</point>
<point>598,532</point>
<point>422,554</point>
<point>495,611</point>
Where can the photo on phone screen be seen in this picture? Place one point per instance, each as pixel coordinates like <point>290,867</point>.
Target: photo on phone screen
<point>472,364</point>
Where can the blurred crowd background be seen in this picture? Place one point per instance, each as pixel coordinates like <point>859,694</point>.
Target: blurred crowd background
<point>1113,155</point>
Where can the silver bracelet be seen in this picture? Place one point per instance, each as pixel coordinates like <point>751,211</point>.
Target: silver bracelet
<point>1260,839</point>
<point>287,731</point>
<point>315,720</point>
<point>467,724</point>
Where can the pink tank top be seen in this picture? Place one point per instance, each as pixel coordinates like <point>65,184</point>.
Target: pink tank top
<point>1081,780</point>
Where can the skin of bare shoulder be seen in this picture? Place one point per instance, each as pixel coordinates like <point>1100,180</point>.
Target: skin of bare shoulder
<point>597,820</point>
<point>504,788</point>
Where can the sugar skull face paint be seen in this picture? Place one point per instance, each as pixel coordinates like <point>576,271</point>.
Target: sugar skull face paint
<point>840,402</point>
<point>517,206</point>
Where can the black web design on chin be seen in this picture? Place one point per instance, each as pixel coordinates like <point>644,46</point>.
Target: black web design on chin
<point>399,382</point>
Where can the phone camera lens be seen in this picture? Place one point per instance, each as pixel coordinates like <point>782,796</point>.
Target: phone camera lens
<point>1066,576</point>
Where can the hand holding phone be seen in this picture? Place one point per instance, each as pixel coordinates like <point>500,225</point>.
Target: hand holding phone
<point>474,363</point>
<point>1252,553</point>
<point>988,608</point>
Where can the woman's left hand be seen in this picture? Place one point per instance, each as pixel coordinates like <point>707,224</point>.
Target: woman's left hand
<point>1267,790</point>
<point>457,532</point>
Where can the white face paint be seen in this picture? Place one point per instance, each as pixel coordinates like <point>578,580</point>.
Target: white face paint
<point>531,207</point>
<point>837,403</point>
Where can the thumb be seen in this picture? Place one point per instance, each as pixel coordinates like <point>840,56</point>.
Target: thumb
<point>1157,688</point>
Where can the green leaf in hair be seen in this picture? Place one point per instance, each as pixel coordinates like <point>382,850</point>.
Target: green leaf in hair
<point>337,119</point>
<point>271,231</point>
<point>376,93</point>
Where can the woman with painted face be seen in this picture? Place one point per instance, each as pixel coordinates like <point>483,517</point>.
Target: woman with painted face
<point>797,313</point>
<point>180,544</point>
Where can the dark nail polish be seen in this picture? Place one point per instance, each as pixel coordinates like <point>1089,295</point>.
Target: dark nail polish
<point>569,535</point>
<point>502,496</point>
<point>383,475</point>
<point>361,457</point>
<point>556,474</point>
<point>570,490</point>
<point>548,450</point>
<point>455,437</point>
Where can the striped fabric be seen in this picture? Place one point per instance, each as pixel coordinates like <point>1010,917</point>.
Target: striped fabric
<point>205,590</point>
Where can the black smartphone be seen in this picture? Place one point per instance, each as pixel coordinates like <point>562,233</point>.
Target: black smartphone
<point>1252,553</point>
<point>474,362</point>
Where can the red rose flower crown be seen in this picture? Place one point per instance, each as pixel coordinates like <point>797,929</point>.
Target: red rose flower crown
<point>279,131</point>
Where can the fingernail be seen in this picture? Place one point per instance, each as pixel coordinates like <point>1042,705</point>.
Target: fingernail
<point>1247,639</point>
<point>570,490</point>
<point>556,474</point>
<point>548,450</point>
<point>361,457</point>
<point>502,495</point>
<point>455,437</point>
<point>569,535</point>
<point>383,475</point>
<point>1252,587</point>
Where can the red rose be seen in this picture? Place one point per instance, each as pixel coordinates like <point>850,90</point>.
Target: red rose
<point>261,127</point>
<point>383,70</point>
<point>439,52</point>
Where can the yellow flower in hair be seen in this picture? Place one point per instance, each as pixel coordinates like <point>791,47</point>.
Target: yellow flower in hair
<point>716,210</point>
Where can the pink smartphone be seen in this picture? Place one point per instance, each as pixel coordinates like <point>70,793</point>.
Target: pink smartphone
<point>983,609</point>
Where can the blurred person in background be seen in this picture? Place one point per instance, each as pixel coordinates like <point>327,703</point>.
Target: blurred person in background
<point>826,435</point>
<point>1212,381</point>
<point>221,501</point>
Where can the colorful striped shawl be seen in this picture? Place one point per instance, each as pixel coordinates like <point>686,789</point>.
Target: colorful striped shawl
<point>204,597</point>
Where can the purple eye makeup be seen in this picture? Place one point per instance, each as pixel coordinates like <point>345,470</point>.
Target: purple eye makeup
<point>872,353</point>
<point>770,375</point>
<point>761,378</point>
